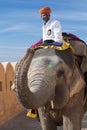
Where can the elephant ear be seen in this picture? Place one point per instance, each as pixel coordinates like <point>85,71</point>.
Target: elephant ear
<point>77,83</point>
<point>80,49</point>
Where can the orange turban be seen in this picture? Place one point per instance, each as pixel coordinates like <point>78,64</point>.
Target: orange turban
<point>46,10</point>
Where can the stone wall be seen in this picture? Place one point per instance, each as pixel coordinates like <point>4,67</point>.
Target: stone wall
<point>9,104</point>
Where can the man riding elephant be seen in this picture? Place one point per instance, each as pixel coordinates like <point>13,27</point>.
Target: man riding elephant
<point>48,80</point>
<point>51,29</point>
<point>52,34</point>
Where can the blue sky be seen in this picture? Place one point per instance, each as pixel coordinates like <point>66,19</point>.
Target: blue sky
<point>21,24</point>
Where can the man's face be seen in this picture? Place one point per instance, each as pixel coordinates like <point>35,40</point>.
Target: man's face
<point>45,17</point>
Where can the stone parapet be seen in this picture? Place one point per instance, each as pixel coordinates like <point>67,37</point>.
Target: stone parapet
<point>9,104</point>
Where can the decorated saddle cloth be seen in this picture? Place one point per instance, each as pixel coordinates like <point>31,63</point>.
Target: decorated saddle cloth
<point>54,45</point>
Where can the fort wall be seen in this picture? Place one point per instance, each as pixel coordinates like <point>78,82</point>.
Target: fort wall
<point>9,104</point>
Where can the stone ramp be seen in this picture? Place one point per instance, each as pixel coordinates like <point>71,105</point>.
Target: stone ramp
<point>22,122</point>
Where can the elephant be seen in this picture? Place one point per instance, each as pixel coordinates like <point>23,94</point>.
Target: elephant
<point>50,81</point>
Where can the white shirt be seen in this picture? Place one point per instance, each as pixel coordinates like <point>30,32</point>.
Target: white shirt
<point>52,31</point>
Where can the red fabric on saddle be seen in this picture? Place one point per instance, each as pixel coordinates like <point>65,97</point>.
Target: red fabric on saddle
<point>72,36</point>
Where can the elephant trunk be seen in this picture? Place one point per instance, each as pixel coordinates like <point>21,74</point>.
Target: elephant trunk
<point>35,88</point>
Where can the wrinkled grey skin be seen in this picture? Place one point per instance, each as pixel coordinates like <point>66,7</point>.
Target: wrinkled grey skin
<point>49,81</point>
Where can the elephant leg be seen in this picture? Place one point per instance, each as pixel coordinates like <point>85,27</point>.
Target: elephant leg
<point>72,120</point>
<point>70,124</point>
<point>46,122</point>
<point>73,112</point>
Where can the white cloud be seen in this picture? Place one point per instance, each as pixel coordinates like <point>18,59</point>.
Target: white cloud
<point>18,27</point>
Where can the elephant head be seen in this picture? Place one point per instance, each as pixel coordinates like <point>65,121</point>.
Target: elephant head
<point>48,75</point>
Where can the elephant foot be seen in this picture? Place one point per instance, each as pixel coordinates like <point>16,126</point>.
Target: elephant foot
<point>57,116</point>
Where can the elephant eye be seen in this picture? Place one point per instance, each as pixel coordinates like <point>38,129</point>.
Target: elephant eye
<point>60,73</point>
<point>47,61</point>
